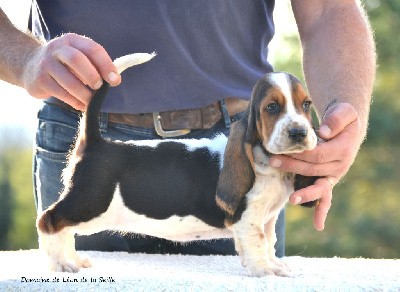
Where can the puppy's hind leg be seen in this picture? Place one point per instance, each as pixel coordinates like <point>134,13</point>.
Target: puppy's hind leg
<point>57,227</point>
<point>59,247</point>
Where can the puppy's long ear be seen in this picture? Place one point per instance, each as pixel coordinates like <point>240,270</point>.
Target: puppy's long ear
<point>237,174</point>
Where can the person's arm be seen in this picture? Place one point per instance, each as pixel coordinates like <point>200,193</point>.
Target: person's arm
<point>339,54</point>
<point>15,48</point>
<point>339,67</point>
<point>66,67</point>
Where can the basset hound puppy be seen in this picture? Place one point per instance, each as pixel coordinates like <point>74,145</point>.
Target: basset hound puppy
<point>185,189</point>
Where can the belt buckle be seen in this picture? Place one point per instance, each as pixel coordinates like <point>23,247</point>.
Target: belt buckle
<point>166,134</point>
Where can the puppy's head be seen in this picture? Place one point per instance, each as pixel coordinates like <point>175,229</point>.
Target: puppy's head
<point>279,118</point>
<point>281,110</point>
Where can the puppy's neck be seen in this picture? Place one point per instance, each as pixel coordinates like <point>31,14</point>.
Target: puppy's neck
<point>261,158</point>
<point>262,148</point>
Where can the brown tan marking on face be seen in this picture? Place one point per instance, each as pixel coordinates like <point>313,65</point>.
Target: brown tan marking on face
<point>301,100</point>
<point>268,116</point>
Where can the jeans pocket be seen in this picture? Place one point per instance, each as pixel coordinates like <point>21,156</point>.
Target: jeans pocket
<point>48,168</point>
<point>53,141</point>
<point>55,136</point>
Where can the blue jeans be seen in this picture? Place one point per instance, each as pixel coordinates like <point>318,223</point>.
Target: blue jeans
<point>55,134</point>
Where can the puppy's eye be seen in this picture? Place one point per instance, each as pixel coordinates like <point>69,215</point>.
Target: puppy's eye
<point>306,105</point>
<point>273,108</point>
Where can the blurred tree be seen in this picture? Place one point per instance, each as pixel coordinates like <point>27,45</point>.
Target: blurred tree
<point>385,20</point>
<point>17,210</point>
<point>364,218</point>
<point>22,233</point>
<point>5,203</point>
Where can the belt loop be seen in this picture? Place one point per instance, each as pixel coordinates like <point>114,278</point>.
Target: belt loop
<point>103,122</point>
<point>225,114</point>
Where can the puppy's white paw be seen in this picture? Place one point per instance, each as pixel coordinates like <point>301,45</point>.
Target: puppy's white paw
<point>69,266</point>
<point>268,270</point>
<point>282,272</point>
<point>85,263</point>
<point>280,264</point>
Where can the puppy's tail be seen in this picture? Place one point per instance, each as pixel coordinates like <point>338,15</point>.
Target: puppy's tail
<point>89,125</point>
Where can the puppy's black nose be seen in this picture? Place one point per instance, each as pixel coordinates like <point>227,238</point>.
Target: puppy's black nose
<point>297,134</point>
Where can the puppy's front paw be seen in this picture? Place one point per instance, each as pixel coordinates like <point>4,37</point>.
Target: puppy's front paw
<point>268,270</point>
<point>280,264</point>
<point>64,266</point>
<point>85,263</point>
<point>282,271</point>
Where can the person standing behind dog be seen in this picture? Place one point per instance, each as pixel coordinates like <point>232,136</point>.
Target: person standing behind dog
<point>211,53</point>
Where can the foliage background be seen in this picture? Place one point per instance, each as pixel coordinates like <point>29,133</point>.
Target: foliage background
<point>364,219</point>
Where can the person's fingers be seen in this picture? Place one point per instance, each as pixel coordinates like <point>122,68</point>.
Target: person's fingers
<point>67,80</point>
<point>306,168</point>
<point>68,68</point>
<point>53,88</point>
<point>321,190</point>
<point>80,65</point>
<point>338,117</point>
<point>321,211</point>
<point>98,56</point>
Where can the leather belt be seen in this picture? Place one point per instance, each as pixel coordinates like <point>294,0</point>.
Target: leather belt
<point>186,120</point>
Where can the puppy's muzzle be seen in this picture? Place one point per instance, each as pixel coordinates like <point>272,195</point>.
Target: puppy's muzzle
<point>297,134</point>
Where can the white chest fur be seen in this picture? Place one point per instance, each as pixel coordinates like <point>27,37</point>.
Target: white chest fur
<point>271,188</point>
<point>254,233</point>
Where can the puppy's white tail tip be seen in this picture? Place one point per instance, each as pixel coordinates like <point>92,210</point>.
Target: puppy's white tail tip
<point>124,62</point>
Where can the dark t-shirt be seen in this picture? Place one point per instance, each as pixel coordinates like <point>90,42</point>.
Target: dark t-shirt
<point>207,49</point>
